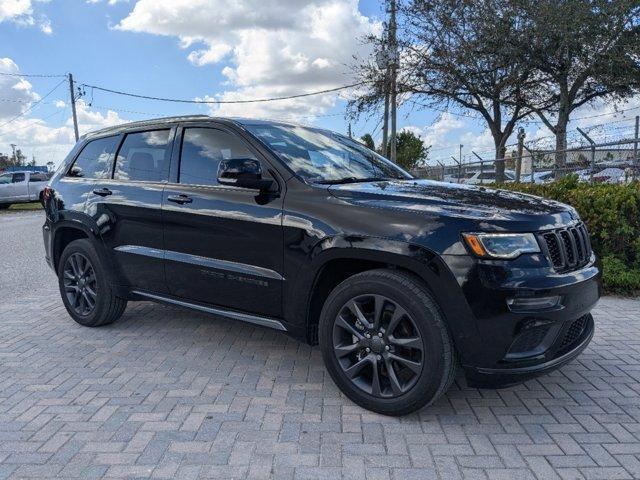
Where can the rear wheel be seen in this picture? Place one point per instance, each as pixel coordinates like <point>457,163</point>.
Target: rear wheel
<point>384,342</point>
<point>84,286</point>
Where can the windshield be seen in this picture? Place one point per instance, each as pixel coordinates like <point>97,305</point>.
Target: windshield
<point>6,178</point>
<point>320,156</point>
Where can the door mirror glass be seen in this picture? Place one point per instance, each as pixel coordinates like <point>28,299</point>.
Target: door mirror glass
<point>243,172</point>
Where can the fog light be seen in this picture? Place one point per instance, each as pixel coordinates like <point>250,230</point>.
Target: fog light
<point>528,304</point>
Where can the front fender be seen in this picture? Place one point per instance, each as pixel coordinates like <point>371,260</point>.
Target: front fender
<point>416,259</point>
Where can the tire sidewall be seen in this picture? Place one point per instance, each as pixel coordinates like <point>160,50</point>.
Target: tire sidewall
<point>85,248</point>
<point>428,320</point>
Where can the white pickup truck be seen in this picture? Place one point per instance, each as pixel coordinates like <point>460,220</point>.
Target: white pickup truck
<point>21,187</point>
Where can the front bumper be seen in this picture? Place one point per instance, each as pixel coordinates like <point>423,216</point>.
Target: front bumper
<point>512,345</point>
<point>480,377</point>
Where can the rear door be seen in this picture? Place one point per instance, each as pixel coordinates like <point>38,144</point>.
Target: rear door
<point>127,207</point>
<point>19,187</point>
<point>223,243</point>
<point>37,181</point>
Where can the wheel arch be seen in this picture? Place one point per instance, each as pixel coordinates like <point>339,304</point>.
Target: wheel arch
<point>66,232</point>
<point>334,265</point>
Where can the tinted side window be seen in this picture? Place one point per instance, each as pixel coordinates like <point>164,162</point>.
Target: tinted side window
<point>144,156</point>
<point>96,159</point>
<point>38,177</point>
<point>18,177</point>
<point>202,150</point>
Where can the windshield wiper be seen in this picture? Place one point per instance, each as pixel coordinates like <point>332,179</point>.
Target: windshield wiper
<point>353,180</point>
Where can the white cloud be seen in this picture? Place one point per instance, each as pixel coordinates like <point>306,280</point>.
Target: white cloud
<point>21,13</point>
<point>14,9</point>
<point>15,93</point>
<point>436,134</point>
<point>270,47</point>
<point>49,137</point>
<point>481,143</point>
<point>110,2</point>
<point>37,137</point>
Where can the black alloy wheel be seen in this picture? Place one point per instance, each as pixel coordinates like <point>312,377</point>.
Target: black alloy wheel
<point>80,283</point>
<point>86,287</point>
<point>385,343</point>
<point>378,345</point>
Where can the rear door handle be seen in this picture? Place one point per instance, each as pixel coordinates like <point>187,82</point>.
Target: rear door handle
<point>181,199</point>
<point>103,192</point>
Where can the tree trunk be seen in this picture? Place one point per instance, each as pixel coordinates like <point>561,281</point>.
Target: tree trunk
<point>561,144</point>
<point>499,141</point>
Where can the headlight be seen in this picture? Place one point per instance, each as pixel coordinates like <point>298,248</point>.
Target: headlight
<point>501,245</point>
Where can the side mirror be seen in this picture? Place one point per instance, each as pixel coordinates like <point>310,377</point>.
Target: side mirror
<point>244,173</point>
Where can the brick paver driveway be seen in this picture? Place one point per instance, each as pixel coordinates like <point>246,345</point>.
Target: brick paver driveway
<point>169,393</point>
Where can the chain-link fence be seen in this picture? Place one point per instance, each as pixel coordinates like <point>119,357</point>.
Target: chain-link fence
<point>606,162</point>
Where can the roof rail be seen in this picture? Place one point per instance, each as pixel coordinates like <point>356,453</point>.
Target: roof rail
<point>142,123</point>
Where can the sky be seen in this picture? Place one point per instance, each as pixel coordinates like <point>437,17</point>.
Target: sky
<point>209,49</point>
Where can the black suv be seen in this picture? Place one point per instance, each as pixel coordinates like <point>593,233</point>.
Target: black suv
<point>306,231</point>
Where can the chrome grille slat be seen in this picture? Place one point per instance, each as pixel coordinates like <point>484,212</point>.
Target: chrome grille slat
<point>567,248</point>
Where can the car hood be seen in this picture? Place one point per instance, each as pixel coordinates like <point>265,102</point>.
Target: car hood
<point>454,200</point>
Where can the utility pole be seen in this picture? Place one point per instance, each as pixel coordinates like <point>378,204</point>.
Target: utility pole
<point>385,120</point>
<point>349,131</point>
<point>636,160</point>
<point>393,46</point>
<point>73,107</point>
<point>521,136</point>
<point>384,64</point>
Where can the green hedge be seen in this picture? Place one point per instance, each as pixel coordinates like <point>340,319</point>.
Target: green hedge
<point>612,214</point>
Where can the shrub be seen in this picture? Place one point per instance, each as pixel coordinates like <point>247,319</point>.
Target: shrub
<point>612,215</point>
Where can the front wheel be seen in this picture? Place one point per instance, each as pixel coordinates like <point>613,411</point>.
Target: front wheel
<point>84,286</point>
<point>384,342</point>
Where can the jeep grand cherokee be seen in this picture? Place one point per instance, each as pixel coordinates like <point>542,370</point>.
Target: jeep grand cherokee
<point>299,229</point>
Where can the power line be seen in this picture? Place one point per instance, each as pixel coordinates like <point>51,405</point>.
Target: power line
<point>221,102</point>
<point>33,105</point>
<point>35,122</point>
<point>33,75</point>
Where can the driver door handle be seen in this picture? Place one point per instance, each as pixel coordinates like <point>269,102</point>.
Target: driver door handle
<point>180,199</point>
<point>103,192</point>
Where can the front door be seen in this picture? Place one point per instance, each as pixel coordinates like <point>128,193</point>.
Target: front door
<point>223,244</point>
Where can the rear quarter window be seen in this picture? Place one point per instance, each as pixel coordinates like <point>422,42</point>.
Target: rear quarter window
<point>96,159</point>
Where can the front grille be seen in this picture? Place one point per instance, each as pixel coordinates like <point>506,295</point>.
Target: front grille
<point>567,248</point>
<point>573,333</point>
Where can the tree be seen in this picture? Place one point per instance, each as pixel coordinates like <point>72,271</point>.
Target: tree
<point>463,53</point>
<point>470,54</point>
<point>15,159</point>
<point>367,139</point>
<point>581,50</point>
<point>411,150</point>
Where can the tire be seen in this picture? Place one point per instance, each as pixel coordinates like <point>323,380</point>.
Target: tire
<point>106,307</point>
<point>412,348</point>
